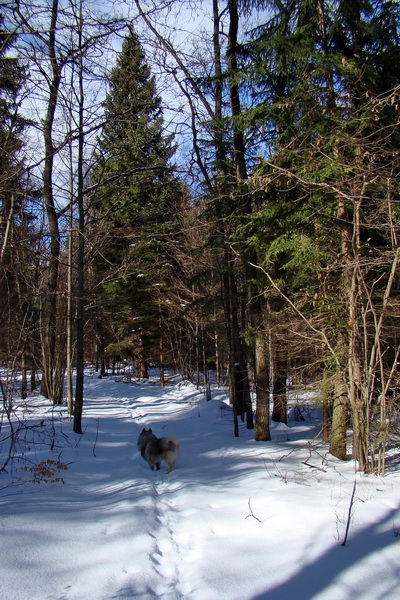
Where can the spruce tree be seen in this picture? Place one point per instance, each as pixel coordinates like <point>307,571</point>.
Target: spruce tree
<point>12,76</point>
<point>135,205</point>
<point>16,220</point>
<point>321,75</point>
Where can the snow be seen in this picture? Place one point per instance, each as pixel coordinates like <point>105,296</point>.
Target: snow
<point>235,520</point>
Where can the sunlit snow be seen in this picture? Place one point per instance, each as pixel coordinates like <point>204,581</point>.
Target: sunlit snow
<point>235,520</point>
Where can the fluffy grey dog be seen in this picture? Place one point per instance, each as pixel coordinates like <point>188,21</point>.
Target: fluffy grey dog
<point>154,449</point>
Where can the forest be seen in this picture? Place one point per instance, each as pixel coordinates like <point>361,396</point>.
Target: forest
<point>207,186</point>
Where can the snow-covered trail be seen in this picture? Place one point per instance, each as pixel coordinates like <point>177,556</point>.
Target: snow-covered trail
<point>235,520</point>
<point>115,525</point>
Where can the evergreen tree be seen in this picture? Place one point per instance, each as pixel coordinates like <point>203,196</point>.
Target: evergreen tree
<point>135,206</point>
<point>321,74</point>
<point>12,76</point>
<point>17,236</point>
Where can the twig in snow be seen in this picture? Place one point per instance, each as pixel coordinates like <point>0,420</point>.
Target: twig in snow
<point>252,514</point>
<point>349,514</point>
<point>313,466</point>
<point>95,439</point>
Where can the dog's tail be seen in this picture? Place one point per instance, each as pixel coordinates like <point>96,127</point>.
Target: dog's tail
<point>171,450</point>
<point>170,443</point>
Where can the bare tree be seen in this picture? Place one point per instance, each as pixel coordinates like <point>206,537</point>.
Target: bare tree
<point>54,48</point>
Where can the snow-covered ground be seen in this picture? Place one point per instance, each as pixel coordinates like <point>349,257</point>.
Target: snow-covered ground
<point>235,520</point>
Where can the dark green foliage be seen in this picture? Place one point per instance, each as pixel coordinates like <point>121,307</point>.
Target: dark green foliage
<point>326,77</point>
<point>12,76</point>
<point>136,203</point>
<point>18,238</point>
<point>313,82</point>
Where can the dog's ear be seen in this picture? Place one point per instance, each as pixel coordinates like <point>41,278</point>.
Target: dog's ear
<point>150,430</point>
<point>143,430</point>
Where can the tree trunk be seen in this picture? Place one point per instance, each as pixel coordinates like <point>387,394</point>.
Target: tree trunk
<point>326,403</point>
<point>330,89</point>
<point>238,377</point>
<point>279,381</point>
<point>142,369</point>
<point>49,349</point>
<point>279,411</point>
<point>262,431</point>
<point>100,346</point>
<point>161,348</point>
<point>325,420</point>
<point>217,358</point>
<point>33,379</point>
<point>238,137</point>
<point>340,418</point>
<point>24,383</point>
<point>358,393</point>
<point>220,154</point>
<point>7,232</point>
<point>80,284</point>
<point>241,176</point>
<point>70,399</point>
<point>340,405</point>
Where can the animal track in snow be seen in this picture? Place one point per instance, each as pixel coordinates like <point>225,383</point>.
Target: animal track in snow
<point>173,545</point>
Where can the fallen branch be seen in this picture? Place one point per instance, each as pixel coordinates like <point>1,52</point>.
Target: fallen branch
<point>252,514</point>
<point>313,466</point>
<point>349,514</point>
<point>95,441</point>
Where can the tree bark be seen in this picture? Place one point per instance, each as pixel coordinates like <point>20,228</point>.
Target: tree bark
<point>24,382</point>
<point>279,411</point>
<point>241,177</point>
<point>142,370</point>
<point>80,283</point>
<point>49,350</point>
<point>238,137</point>
<point>262,430</point>
<point>340,418</point>
<point>340,405</point>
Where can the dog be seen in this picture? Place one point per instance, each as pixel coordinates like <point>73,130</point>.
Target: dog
<point>154,449</point>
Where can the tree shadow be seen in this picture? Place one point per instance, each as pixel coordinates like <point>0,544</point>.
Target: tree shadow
<point>334,569</point>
